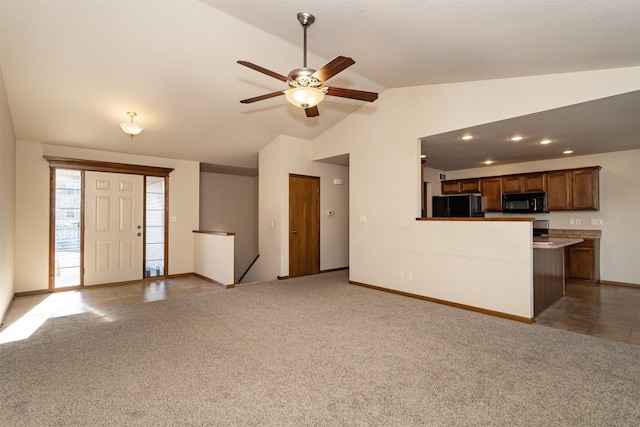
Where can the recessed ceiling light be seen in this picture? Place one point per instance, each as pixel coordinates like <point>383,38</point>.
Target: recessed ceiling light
<point>467,137</point>
<point>488,162</point>
<point>567,152</point>
<point>516,138</point>
<point>545,142</point>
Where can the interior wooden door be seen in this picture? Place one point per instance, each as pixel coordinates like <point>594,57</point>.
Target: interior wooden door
<point>304,225</point>
<point>113,238</point>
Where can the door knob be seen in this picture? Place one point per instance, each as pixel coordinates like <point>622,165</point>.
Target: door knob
<point>139,227</point>
<point>295,231</point>
<point>139,234</point>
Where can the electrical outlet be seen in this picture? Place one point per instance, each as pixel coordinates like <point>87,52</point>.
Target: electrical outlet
<point>572,221</point>
<point>597,221</point>
<point>401,274</point>
<point>578,221</point>
<point>409,276</point>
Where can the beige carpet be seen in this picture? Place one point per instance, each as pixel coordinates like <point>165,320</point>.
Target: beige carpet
<point>312,351</point>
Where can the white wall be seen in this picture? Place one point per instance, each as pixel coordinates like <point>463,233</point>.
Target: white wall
<point>230,203</point>
<point>32,208</point>
<point>287,155</point>
<point>619,207</point>
<point>382,139</point>
<point>7,200</point>
<point>213,257</point>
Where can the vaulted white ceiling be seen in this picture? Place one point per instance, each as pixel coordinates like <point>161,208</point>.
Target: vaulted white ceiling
<point>73,68</point>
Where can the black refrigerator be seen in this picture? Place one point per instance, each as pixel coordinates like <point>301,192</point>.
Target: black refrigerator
<point>463,206</point>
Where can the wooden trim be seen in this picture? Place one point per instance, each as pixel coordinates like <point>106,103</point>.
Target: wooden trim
<point>334,269</point>
<point>99,166</point>
<point>82,225</point>
<point>217,233</point>
<point>449,303</point>
<point>215,282</point>
<point>176,276</point>
<point>478,219</point>
<point>166,224</point>
<point>144,228</point>
<point>623,284</point>
<point>52,228</point>
<point>313,274</point>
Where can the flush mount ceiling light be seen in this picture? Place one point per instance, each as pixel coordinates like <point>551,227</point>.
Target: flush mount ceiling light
<point>516,138</point>
<point>131,129</point>
<point>545,142</point>
<point>567,152</point>
<point>467,137</point>
<point>488,162</point>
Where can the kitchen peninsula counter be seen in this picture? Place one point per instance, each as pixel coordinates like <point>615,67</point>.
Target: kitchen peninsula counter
<point>548,270</point>
<point>554,242</point>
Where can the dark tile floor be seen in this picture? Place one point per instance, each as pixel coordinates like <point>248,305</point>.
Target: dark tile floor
<point>605,311</point>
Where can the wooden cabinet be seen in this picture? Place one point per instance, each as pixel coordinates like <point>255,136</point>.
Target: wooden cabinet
<point>559,191</point>
<point>567,190</point>
<point>513,184</point>
<point>470,186</point>
<point>573,190</point>
<point>460,186</point>
<point>585,189</point>
<point>534,182</point>
<point>450,187</point>
<point>527,183</point>
<point>491,191</point>
<point>582,261</point>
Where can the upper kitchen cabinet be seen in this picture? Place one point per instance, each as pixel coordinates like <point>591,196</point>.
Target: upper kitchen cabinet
<point>460,186</point>
<point>585,188</point>
<point>534,182</point>
<point>527,183</point>
<point>576,189</point>
<point>512,184</point>
<point>559,191</point>
<point>491,191</point>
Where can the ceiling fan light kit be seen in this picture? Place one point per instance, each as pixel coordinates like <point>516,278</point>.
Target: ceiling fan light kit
<point>306,88</point>
<point>130,128</point>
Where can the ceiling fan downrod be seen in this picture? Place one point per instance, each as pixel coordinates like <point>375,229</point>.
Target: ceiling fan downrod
<point>305,19</point>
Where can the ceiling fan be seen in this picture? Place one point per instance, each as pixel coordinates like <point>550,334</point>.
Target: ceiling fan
<point>306,85</point>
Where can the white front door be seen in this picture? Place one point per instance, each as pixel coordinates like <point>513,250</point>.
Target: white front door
<point>113,227</point>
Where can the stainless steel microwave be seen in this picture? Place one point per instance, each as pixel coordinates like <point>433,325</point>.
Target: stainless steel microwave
<point>524,203</point>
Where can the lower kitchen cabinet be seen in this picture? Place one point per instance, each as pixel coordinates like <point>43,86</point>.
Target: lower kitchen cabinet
<point>582,262</point>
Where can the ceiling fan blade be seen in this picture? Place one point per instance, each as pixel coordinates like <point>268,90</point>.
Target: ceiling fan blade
<point>263,70</point>
<point>334,67</point>
<point>262,97</point>
<point>312,111</point>
<point>353,94</point>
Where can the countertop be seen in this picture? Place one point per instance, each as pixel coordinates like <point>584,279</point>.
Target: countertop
<point>585,234</point>
<point>554,242</point>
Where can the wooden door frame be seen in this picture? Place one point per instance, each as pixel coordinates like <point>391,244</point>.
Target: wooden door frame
<point>317,178</point>
<point>99,166</point>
